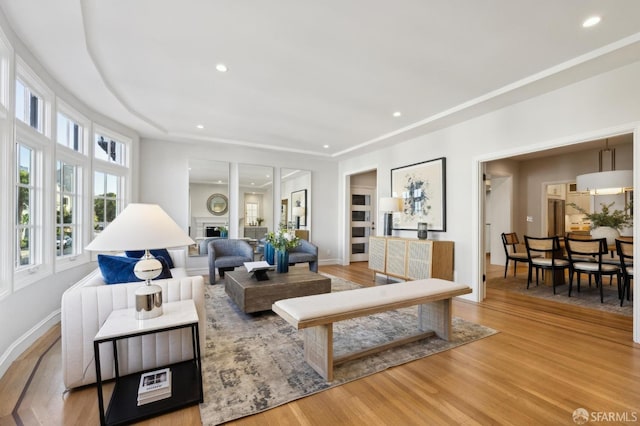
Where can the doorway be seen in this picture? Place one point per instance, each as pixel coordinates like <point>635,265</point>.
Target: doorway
<point>540,176</point>
<point>362,223</point>
<point>362,214</point>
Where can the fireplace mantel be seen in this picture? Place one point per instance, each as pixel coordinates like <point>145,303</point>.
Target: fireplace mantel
<point>200,224</point>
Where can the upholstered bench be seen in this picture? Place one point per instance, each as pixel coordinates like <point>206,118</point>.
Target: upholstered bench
<point>316,315</point>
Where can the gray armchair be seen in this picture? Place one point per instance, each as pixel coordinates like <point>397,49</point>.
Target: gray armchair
<point>204,245</point>
<point>225,255</point>
<point>305,252</point>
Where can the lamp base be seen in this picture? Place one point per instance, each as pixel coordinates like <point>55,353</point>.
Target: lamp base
<point>388,224</point>
<point>148,301</point>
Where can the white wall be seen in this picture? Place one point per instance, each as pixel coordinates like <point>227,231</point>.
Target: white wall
<point>562,116</point>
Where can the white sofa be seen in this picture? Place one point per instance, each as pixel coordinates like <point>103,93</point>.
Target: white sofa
<point>88,303</point>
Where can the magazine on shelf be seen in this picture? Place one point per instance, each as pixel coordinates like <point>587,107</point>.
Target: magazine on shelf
<point>155,383</point>
<point>153,398</point>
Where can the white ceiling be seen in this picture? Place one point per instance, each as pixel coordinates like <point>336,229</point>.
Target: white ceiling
<point>303,74</point>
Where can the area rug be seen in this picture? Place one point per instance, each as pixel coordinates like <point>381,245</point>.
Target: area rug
<point>588,297</point>
<point>254,362</point>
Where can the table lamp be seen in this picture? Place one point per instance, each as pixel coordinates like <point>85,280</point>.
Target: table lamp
<point>298,212</point>
<point>143,227</point>
<point>389,205</point>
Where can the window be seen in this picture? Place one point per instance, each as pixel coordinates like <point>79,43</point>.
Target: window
<point>68,209</point>
<point>251,214</point>
<point>69,133</point>
<point>29,106</point>
<point>25,206</point>
<point>107,200</point>
<point>32,100</point>
<point>108,149</point>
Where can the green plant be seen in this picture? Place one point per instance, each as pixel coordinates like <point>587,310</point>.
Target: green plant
<point>282,240</point>
<point>613,219</point>
<point>259,220</point>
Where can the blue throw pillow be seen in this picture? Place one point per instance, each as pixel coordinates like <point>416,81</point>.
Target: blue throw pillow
<point>155,253</point>
<point>119,269</point>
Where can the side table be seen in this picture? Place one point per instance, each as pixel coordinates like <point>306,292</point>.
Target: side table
<point>186,376</point>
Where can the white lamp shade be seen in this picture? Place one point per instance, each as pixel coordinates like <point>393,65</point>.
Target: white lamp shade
<point>603,183</point>
<point>298,211</point>
<point>140,227</point>
<point>390,204</point>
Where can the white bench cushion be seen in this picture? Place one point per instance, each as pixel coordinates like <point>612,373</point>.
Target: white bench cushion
<point>321,305</point>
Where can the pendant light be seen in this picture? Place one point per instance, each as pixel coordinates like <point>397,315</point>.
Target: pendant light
<point>605,182</point>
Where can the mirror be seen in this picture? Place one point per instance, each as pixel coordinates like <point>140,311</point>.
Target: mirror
<point>255,206</point>
<point>295,203</point>
<point>208,202</point>
<point>218,204</point>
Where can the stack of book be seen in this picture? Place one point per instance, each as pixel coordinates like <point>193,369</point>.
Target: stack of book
<point>154,386</point>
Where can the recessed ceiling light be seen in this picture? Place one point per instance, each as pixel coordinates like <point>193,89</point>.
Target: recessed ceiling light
<point>590,22</point>
<point>325,146</point>
<point>222,68</point>
<point>397,114</point>
<point>200,126</point>
<point>220,181</point>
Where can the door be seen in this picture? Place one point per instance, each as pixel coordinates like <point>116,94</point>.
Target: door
<point>362,223</point>
<point>555,217</point>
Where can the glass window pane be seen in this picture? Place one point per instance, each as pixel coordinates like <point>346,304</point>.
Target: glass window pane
<point>110,210</point>
<point>67,209</point>
<point>24,249</point>
<point>112,186</point>
<point>24,205</point>
<point>24,163</point>
<point>20,108</point>
<point>107,149</point>
<point>99,184</point>
<point>69,133</point>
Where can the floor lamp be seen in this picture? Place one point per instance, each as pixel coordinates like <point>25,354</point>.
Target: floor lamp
<point>389,205</point>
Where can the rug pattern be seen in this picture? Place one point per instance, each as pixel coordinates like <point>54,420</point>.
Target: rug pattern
<point>254,362</point>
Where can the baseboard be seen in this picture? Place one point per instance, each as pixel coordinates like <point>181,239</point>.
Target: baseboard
<point>26,340</point>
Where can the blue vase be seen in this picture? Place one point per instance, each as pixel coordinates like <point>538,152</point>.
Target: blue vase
<point>282,261</point>
<point>269,253</point>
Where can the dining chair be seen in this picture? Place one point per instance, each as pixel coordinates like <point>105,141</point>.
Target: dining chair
<point>510,243</point>
<point>624,248</point>
<point>595,248</point>
<point>545,253</point>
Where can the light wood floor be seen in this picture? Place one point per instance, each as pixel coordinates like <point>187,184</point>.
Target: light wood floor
<point>548,360</point>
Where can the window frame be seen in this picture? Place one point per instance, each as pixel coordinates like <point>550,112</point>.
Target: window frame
<point>42,266</point>
<point>82,161</point>
<point>31,80</point>
<point>116,137</point>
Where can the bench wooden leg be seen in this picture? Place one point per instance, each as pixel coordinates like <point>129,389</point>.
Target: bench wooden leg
<point>436,316</point>
<point>318,349</point>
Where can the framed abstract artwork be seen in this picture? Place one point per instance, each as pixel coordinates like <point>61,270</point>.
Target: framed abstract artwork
<point>422,189</point>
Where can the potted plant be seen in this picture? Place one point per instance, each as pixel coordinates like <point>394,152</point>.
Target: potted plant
<point>259,220</point>
<point>281,241</point>
<point>605,223</point>
<point>223,231</point>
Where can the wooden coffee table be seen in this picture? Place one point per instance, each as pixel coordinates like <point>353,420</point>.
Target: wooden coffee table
<point>255,296</point>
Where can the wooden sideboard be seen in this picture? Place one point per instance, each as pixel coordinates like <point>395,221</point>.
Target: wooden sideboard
<point>411,258</point>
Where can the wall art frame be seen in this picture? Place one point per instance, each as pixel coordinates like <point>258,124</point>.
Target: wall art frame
<point>422,187</point>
